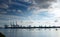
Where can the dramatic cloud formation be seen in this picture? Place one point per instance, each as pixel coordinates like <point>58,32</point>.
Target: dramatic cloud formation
<point>35,12</point>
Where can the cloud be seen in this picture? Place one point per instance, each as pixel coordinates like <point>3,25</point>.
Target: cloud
<point>3,12</point>
<point>42,4</point>
<point>55,9</point>
<point>39,11</point>
<point>5,6</point>
<point>45,6</point>
<point>11,17</point>
<point>16,3</point>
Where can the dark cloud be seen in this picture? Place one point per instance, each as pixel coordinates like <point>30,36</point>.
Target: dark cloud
<point>39,3</point>
<point>5,6</point>
<point>42,3</point>
<point>23,5</point>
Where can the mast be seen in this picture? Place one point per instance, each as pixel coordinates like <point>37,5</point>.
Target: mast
<point>16,22</point>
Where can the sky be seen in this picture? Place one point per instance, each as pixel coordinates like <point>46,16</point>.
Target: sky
<point>30,12</point>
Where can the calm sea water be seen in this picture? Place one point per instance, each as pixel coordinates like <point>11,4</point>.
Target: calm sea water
<point>31,32</point>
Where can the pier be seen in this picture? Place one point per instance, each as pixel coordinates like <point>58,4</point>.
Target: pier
<point>29,27</point>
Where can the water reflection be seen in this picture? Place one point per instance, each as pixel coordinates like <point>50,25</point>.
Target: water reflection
<point>38,32</point>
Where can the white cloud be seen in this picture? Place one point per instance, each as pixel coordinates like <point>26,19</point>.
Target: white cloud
<point>27,22</point>
<point>19,11</point>
<point>55,9</point>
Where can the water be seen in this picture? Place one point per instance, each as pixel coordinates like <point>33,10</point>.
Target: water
<point>31,32</point>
